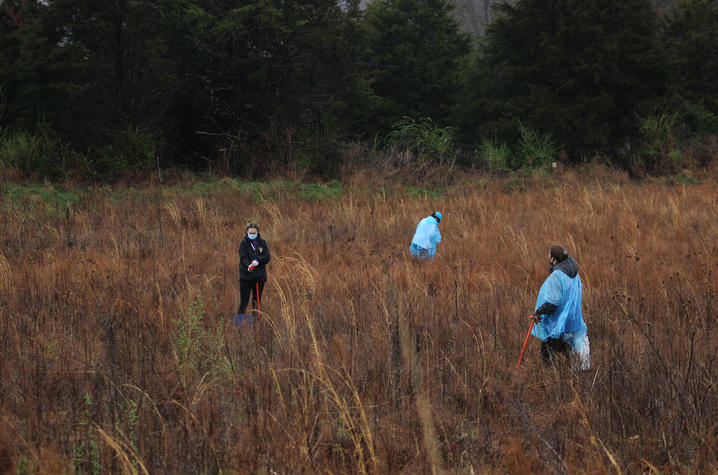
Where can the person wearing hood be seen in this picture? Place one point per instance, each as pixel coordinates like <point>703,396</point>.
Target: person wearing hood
<point>426,237</point>
<point>558,319</point>
<point>253,259</point>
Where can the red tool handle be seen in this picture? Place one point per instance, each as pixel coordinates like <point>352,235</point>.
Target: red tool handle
<point>526,341</point>
<point>257,288</point>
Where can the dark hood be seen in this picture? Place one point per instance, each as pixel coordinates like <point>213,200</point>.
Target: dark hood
<point>568,267</point>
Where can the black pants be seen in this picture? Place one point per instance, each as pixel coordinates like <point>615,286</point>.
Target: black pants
<point>245,288</point>
<point>552,347</point>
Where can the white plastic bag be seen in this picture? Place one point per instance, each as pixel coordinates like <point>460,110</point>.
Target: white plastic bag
<point>581,360</point>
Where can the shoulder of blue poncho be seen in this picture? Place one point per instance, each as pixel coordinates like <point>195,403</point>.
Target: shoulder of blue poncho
<point>429,224</point>
<point>551,290</point>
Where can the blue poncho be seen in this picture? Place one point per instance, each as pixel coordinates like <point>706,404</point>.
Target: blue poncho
<point>426,237</point>
<point>563,289</point>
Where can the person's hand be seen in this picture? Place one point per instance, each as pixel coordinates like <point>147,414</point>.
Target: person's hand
<point>536,318</point>
<point>250,268</point>
<point>255,263</point>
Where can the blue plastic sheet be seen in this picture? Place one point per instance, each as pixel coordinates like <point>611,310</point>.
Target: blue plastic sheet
<point>566,322</point>
<point>426,237</point>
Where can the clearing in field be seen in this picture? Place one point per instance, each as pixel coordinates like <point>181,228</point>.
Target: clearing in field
<point>118,352</point>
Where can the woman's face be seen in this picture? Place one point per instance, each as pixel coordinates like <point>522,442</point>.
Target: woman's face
<point>252,231</point>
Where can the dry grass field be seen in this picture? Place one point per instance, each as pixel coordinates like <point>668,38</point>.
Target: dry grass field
<point>118,353</point>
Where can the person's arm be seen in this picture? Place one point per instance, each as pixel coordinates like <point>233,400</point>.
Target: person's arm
<point>552,294</point>
<point>244,259</point>
<point>264,255</point>
<point>546,309</point>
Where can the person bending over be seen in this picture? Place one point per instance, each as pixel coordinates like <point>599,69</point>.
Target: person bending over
<point>426,237</point>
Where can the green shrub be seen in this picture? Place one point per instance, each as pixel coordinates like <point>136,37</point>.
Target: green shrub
<point>497,155</point>
<point>35,153</point>
<point>188,334</point>
<point>659,131</point>
<point>672,139</point>
<point>426,141</point>
<point>699,120</point>
<point>195,347</point>
<point>130,149</point>
<point>660,150</point>
<point>536,151</point>
<point>682,179</point>
<point>86,452</point>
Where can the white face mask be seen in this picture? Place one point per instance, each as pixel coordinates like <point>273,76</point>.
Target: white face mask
<point>252,236</point>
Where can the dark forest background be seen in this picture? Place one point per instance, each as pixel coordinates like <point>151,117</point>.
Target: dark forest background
<point>94,88</point>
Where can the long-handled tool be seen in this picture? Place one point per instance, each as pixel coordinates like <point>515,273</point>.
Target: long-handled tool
<point>533,320</point>
<point>257,290</point>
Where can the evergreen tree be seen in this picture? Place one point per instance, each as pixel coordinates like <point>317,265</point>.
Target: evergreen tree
<point>36,69</point>
<point>277,76</point>
<point>578,70</point>
<point>690,35</point>
<point>126,80</point>
<point>103,74</point>
<point>417,52</point>
<point>140,55</point>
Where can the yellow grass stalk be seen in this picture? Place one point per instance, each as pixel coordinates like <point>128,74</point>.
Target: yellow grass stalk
<point>124,452</point>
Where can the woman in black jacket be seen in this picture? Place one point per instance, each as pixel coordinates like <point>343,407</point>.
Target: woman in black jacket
<point>253,259</point>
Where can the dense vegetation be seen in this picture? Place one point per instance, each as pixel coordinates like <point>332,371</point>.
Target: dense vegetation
<point>92,88</point>
<point>118,354</point>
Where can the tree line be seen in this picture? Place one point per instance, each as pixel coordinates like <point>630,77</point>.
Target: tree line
<point>251,87</point>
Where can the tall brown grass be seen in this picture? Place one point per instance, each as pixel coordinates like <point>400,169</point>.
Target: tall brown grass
<point>361,360</point>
